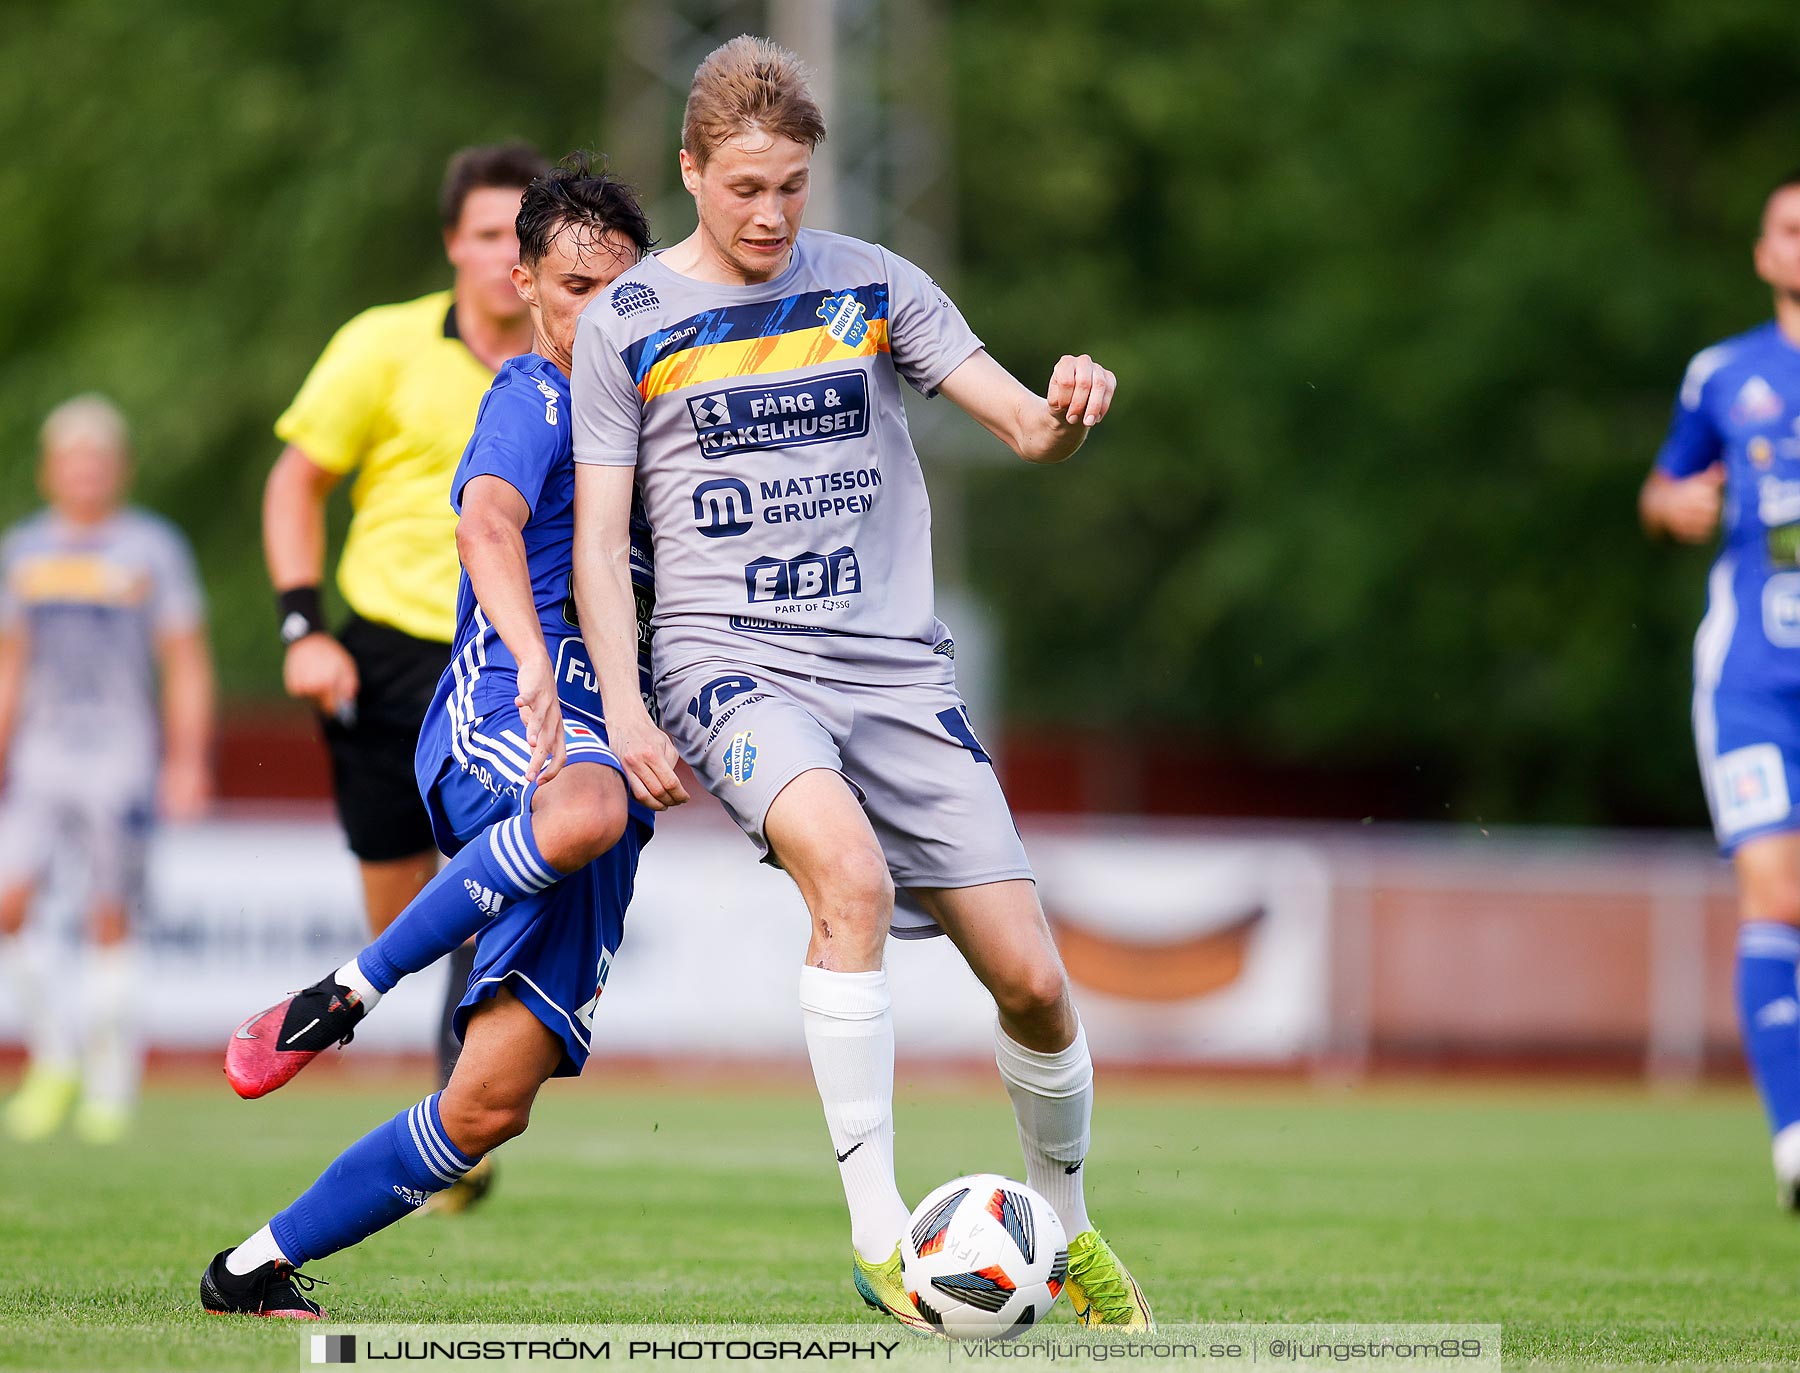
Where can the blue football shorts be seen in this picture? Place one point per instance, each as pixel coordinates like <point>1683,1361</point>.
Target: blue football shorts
<point>553,949</point>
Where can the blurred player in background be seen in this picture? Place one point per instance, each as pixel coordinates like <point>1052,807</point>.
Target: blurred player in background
<point>1733,455</point>
<point>392,399</point>
<point>530,802</point>
<point>747,379</point>
<point>97,600</point>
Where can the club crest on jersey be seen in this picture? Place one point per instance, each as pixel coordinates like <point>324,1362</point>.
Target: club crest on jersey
<point>740,758</point>
<point>633,297</point>
<point>1756,403</point>
<point>844,317</point>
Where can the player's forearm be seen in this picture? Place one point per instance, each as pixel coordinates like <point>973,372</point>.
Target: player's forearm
<point>493,554</point>
<point>1652,505</point>
<point>293,520</point>
<point>187,699</point>
<point>608,614</point>
<point>12,682</point>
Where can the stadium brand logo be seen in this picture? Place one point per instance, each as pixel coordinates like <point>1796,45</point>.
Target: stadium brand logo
<point>716,693</point>
<point>845,318</point>
<point>722,508</point>
<point>633,297</point>
<point>668,341</point>
<point>807,577</point>
<point>548,392</point>
<point>740,758</point>
<point>487,899</point>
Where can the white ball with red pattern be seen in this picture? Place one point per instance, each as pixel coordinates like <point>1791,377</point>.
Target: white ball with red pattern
<point>984,1257</point>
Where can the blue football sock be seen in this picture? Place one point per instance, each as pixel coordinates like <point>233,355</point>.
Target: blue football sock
<point>500,864</point>
<point>385,1174</point>
<point>1769,1015</point>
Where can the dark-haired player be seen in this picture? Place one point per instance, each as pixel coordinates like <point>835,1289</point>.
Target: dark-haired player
<point>390,404</point>
<point>522,791</point>
<point>1733,452</point>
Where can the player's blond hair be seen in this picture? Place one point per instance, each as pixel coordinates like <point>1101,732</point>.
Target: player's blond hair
<point>91,417</point>
<point>749,83</point>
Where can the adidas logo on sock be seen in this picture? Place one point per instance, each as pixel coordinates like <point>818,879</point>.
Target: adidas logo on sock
<point>412,1196</point>
<point>490,901</point>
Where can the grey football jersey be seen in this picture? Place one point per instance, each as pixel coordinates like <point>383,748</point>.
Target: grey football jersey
<point>788,511</point>
<point>91,600</point>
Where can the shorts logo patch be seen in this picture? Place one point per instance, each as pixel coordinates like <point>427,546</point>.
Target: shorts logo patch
<point>1750,787</point>
<point>716,693</point>
<point>576,733</point>
<point>740,758</point>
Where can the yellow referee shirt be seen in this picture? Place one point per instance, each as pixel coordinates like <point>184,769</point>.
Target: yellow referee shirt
<point>393,399</point>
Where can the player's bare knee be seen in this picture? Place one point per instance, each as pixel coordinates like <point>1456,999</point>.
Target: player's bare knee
<point>1038,993</point>
<point>580,814</point>
<point>1773,898</point>
<point>481,1121</point>
<point>858,890</point>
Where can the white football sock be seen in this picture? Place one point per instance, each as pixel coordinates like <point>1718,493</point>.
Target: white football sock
<point>50,1040</point>
<point>850,1038</point>
<point>352,976</point>
<point>113,1056</point>
<point>254,1252</point>
<point>1053,1101</point>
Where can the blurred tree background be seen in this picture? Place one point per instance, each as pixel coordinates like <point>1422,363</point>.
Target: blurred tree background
<point>1399,295</point>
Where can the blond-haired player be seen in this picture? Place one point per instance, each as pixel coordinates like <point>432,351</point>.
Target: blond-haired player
<point>747,381</point>
<point>97,602</point>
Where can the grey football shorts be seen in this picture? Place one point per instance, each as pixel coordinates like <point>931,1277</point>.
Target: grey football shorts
<point>909,752</point>
<point>110,824</point>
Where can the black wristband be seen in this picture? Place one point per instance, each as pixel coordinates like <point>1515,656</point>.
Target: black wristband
<point>301,613</point>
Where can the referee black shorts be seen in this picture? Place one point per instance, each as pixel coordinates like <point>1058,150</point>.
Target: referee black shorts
<point>372,758</point>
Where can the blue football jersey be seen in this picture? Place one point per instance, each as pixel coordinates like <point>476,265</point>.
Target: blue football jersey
<point>522,436</point>
<point>1740,406</point>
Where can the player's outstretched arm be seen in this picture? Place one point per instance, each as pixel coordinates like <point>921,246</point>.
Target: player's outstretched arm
<point>317,667</point>
<point>1046,428</point>
<point>491,543</point>
<point>1683,508</point>
<point>608,614</point>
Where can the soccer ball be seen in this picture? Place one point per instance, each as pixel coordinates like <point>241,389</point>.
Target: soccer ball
<point>984,1257</point>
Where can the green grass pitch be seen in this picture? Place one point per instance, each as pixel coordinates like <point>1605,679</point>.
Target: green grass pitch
<point>1603,1227</point>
